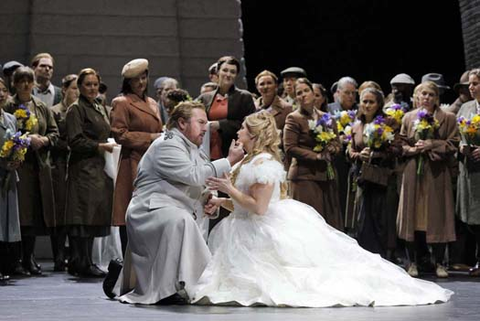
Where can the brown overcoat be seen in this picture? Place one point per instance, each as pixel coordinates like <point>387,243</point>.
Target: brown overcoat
<point>133,120</point>
<point>436,179</point>
<point>35,188</point>
<point>307,174</point>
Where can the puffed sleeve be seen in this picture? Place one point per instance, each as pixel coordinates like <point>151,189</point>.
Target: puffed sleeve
<point>266,171</point>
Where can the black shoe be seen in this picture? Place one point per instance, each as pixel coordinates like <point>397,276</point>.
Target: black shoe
<point>175,299</point>
<point>59,266</point>
<point>19,270</point>
<point>3,277</point>
<point>92,271</point>
<point>114,268</point>
<point>31,266</point>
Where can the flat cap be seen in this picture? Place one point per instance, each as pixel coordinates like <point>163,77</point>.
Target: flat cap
<point>9,67</point>
<point>293,71</point>
<point>135,68</point>
<point>402,79</point>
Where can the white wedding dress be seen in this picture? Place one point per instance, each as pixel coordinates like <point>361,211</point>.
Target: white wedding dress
<point>290,257</point>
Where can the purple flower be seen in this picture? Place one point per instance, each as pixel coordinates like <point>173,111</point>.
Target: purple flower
<point>422,113</point>
<point>379,120</point>
<point>325,120</point>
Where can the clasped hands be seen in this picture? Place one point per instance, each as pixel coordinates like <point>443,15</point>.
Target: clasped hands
<point>368,154</point>
<point>471,151</point>
<point>38,141</point>
<point>222,184</point>
<point>327,153</point>
<point>421,146</point>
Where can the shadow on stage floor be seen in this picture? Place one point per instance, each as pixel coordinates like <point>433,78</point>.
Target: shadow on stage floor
<point>59,296</point>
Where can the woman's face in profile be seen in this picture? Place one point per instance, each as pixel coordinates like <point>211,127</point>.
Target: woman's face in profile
<point>227,74</point>
<point>3,93</point>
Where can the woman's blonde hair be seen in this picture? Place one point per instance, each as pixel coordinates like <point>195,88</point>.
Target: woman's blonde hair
<point>428,85</point>
<point>263,129</point>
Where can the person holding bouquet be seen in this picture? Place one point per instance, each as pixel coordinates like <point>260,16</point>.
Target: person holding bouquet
<point>35,187</point>
<point>9,217</point>
<point>426,207</point>
<point>310,143</point>
<point>468,197</point>
<point>372,151</point>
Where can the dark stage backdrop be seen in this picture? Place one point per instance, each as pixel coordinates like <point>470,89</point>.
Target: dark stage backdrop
<point>365,39</point>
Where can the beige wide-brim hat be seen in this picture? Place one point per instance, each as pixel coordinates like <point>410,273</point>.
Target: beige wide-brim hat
<point>135,68</point>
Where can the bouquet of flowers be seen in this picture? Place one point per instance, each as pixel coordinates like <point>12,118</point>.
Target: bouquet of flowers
<point>378,135</point>
<point>345,120</point>
<point>396,112</point>
<point>470,129</point>
<point>13,150</point>
<point>425,126</point>
<point>25,119</point>
<point>322,130</point>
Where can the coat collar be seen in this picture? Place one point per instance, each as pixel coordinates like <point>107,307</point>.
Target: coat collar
<point>143,105</point>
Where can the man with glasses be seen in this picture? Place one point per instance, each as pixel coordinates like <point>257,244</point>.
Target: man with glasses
<point>346,96</point>
<point>42,65</point>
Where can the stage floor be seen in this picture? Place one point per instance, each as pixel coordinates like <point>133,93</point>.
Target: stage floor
<point>59,296</point>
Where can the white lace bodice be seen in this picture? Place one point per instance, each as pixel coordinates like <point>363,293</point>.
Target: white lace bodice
<point>261,169</point>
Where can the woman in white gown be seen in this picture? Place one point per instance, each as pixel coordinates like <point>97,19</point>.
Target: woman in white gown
<point>280,252</point>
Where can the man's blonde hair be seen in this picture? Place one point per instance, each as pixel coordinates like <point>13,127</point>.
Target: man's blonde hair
<point>183,110</point>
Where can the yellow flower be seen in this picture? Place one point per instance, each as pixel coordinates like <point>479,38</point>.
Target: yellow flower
<point>20,113</point>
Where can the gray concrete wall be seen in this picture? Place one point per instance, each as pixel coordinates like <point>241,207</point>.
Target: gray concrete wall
<point>180,38</point>
<point>470,12</point>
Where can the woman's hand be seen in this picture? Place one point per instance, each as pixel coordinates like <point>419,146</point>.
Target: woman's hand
<point>106,147</point>
<point>154,136</point>
<point>365,154</point>
<point>214,125</point>
<point>475,154</point>
<point>222,184</point>
<point>424,145</point>
<point>37,141</point>
<point>324,156</point>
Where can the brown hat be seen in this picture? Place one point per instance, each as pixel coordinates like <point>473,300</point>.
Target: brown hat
<point>463,81</point>
<point>135,68</point>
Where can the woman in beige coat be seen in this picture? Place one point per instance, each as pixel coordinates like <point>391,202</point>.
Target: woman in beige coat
<point>426,207</point>
<point>135,121</point>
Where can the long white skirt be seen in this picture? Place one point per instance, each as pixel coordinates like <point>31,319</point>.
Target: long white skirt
<point>291,257</point>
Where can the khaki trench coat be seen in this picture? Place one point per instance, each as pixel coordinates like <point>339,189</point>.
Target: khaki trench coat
<point>436,179</point>
<point>132,122</point>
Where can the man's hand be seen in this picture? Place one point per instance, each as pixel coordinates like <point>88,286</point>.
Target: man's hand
<point>235,152</point>
<point>213,203</point>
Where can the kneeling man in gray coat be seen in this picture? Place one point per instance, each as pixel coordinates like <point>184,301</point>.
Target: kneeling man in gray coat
<point>166,251</point>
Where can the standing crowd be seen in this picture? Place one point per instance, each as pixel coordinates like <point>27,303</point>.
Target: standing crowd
<point>398,172</point>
